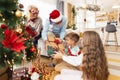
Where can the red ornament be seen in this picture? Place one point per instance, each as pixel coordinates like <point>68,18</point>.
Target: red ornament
<point>21,6</point>
<point>3,26</point>
<point>32,49</point>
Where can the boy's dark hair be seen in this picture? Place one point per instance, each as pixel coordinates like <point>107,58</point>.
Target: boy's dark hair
<point>73,36</point>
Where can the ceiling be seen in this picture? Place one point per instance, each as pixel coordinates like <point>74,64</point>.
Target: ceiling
<point>106,5</point>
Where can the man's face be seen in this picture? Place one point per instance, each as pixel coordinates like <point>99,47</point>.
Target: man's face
<point>59,23</point>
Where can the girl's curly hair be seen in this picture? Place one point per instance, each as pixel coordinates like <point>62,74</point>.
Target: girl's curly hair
<point>94,64</point>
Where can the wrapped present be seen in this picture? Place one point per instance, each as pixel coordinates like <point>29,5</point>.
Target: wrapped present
<point>50,50</point>
<point>31,31</point>
<point>61,47</point>
<point>54,44</point>
<point>51,38</point>
<point>20,73</point>
<point>57,41</point>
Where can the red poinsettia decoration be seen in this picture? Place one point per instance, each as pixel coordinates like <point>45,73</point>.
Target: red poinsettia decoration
<point>12,41</point>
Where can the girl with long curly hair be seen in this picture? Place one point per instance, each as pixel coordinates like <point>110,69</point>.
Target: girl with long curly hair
<point>92,60</point>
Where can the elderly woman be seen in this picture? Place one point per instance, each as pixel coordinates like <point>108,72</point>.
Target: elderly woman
<point>35,23</point>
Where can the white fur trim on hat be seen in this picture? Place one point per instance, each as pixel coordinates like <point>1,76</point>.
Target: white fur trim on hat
<point>57,19</point>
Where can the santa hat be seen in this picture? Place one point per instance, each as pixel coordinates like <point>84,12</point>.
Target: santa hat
<point>55,16</point>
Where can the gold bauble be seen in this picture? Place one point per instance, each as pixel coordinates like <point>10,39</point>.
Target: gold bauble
<point>3,19</point>
<point>0,15</point>
<point>19,30</point>
<point>81,34</point>
<point>18,13</point>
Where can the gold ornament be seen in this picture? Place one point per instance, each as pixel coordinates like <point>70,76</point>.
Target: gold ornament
<point>0,15</point>
<point>3,19</point>
<point>19,30</point>
<point>81,34</point>
<point>18,13</point>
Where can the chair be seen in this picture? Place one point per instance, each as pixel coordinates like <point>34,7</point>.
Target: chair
<point>111,29</point>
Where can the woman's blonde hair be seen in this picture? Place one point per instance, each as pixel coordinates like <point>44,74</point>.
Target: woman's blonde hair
<point>94,64</point>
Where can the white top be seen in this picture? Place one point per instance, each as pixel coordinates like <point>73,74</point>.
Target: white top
<point>69,74</point>
<point>36,25</point>
<point>74,51</point>
<point>73,60</point>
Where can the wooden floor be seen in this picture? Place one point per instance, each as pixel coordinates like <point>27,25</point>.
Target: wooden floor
<point>113,54</point>
<point>111,58</point>
<point>114,49</point>
<point>51,77</point>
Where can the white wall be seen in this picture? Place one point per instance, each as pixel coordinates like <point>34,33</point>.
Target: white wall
<point>44,6</point>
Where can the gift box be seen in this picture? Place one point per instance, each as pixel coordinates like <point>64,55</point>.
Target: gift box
<point>54,44</point>
<point>20,73</point>
<point>51,38</point>
<point>31,31</point>
<point>50,50</point>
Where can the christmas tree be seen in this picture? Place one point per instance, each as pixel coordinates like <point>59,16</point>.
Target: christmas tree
<point>10,12</point>
<point>15,42</point>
